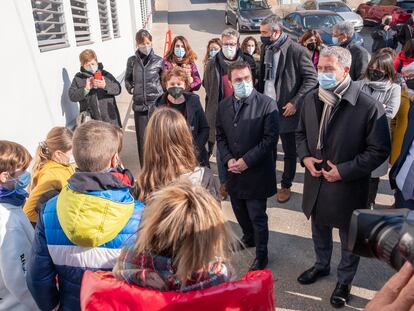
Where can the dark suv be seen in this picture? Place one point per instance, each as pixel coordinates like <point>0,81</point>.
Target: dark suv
<point>246,15</point>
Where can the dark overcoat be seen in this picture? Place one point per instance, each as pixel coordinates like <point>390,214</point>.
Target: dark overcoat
<point>100,103</point>
<point>251,134</point>
<point>295,77</point>
<point>357,142</point>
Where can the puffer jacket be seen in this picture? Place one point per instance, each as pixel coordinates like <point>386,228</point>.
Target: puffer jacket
<point>83,228</point>
<point>144,81</point>
<point>100,103</point>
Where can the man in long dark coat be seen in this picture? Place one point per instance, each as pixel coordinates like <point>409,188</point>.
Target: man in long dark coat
<point>342,136</point>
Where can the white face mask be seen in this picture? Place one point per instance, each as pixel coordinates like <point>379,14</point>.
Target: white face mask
<point>229,51</point>
<point>92,68</point>
<point>251,49</point>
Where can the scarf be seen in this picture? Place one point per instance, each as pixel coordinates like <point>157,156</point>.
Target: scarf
<point>380,90</point>
<point>13,197</point>
<point>225,63</point>
<point>330,98</point>
<point>268,57</point>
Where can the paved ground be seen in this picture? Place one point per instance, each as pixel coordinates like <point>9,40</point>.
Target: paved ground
<point>290,244</point>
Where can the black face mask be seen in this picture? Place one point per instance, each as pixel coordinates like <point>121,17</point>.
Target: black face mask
<point>175,91</point>
<point>311,46</point>
<point>375,75</point>
<point>387,22</point>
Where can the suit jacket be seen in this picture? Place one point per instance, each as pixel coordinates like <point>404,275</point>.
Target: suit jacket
<point>295,77</point>
<point>408,139</point>
<point>251,134</point>
<point>357,142</point>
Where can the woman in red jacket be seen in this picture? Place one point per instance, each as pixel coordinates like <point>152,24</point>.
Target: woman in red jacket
<point>405,57</point>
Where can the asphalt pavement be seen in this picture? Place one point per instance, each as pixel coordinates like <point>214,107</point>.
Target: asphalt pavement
<point>290,243</point>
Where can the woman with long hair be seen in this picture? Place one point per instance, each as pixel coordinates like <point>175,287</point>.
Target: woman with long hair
<point>213,47</point>
<point>184,242</point>
<point>181,54</point>
<point>312,41</point>
<point>169,154</point>
<point>53,165</point>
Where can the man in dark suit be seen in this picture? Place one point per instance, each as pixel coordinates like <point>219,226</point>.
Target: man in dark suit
<point>342,137</point>
<point>246,132</point>
<point>402,172</point>
<point>286,75</point>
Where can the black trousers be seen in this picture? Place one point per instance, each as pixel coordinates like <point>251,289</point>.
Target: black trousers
<point>322,241</point>
<point>289,160</point>
<point>252,217</point>
<point>141,121</point>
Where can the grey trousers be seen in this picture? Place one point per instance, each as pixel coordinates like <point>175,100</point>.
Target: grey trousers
<point>322,241</point>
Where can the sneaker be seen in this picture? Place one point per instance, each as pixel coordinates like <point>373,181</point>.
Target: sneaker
<point>283,195</point>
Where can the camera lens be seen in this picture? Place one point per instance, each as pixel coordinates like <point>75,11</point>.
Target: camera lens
<point>387,244</point>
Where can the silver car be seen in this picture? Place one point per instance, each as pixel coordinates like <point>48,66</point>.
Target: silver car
<point>338,7</point>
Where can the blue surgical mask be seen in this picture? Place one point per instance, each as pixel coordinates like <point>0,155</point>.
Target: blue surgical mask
<point>213,52</point>
<point>179,52</point>
<point>327,80</point>
<point>335,41</point>
<point>243,89</point>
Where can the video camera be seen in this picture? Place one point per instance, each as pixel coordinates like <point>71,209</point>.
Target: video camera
<point>385,234</point>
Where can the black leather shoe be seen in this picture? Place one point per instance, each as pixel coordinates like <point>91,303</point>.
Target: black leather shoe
<point>340,295</point>
<point>259,264</point>
<point>311,276</point>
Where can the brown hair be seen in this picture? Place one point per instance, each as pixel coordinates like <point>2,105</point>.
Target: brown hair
<point>187,222</point>
<point>141,35</point>
<point>175,72</point>
<point>189,57</point>
<point>87,56</point>
<point>244,45</point>
<point>207,56</point>
<point>94,145</point>
<point>58,138</point>
<point>309,34</point>
<point>169,151</point>
<point>13,157</point>
<point>389,51</point>
<point>238,66</point>
<point>383,62</point>
<point>408,48</point>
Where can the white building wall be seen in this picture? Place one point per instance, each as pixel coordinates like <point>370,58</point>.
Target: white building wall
<point>34,84</point>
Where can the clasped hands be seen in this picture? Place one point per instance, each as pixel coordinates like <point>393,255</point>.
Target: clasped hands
<point>236,166</point>
<point>331,176</point>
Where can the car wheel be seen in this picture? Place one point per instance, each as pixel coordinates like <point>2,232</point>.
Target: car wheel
<point>226,19</point>
<point>238,27</point>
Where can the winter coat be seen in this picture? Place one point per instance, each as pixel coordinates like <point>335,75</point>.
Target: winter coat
<point>406,32</point>
<point>399,127</point>
<point>196,120</point>
<point>360,59</point>
<point>144,81</point>
<point>357,141</point>
<point>384,39</point>
<point>52,176</point>
<point>16,237</point>
<point>212,83</point>
<point>295,77</point>
<point>195,86</point>
<point>100,103</point>
<point>401,61</point>
<point>83,228</point>
<point>251,134</point>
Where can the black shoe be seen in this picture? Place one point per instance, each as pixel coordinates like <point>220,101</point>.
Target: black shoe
<point>259,264</point>
<point>311,276</point>
<point>340,295</point>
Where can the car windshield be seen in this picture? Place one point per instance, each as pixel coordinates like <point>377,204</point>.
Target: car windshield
<point>321,21</point>
<point>334,6</point>
<point>253,5</point>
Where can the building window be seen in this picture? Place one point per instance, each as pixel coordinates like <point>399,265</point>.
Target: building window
<point>81,22</point>
<point>104,20</point>
<point>50,24</point>
<point>114,15</point>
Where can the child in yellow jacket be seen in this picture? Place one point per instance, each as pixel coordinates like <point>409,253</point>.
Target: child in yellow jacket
<point>52,168</point>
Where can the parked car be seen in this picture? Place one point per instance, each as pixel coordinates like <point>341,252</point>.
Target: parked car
<point>295,24</point>
<point>373,11</point>
<point>336,6</point>
<point>246,15</point>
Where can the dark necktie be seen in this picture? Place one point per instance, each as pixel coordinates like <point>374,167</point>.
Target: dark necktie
<point>237,105</point>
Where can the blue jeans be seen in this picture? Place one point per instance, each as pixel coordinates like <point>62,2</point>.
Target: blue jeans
<point>221,168</point>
